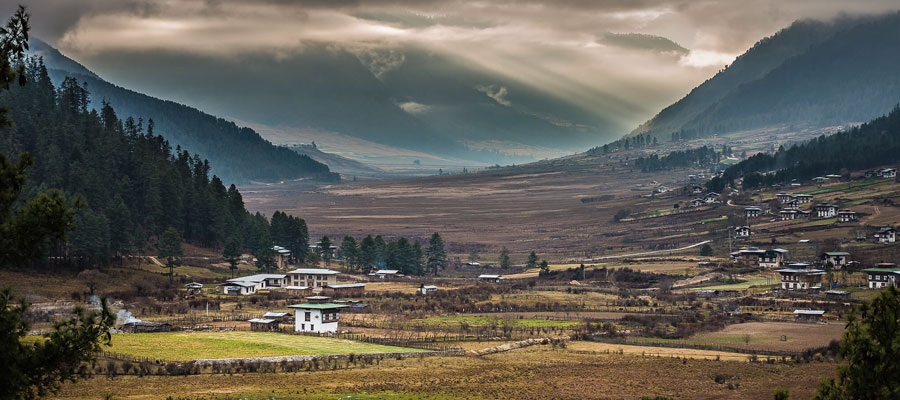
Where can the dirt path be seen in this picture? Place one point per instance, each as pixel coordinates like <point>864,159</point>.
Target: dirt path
<point>647,253</point>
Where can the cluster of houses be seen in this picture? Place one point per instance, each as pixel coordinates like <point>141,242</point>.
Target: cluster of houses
<point>298,282</point>
<point>882,173</point>
<point>709,199</point>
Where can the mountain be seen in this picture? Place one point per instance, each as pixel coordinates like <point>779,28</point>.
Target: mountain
<point>238,154</point>
<point>811,74</point>
<point>131,184</point>
<point>870,145</point>
<point>407,98</point>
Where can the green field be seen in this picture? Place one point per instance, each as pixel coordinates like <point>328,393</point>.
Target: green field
<point>185,346</point>
<point>489,321</point>
<point>735,286</point>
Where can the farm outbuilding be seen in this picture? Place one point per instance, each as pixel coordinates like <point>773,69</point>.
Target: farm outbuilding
<point>263,325</point>
<point>146,327</point>
<point>490,278</point>
<point>808,315</point>
<point>299,291</point>
<point>345,290</point>
<point>426,289</point>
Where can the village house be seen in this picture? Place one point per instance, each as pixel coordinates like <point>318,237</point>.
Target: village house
<point>788,215</point>
<point>298,291</point>
<point>784,197</point>
<point>698,203</point>
<point>240,288</point>
<point>809,315</point>
<point>490,278</point>
<point>194,288</point>
<point>826,210</point>
<point>333,249</point>
<point>749,256</point>
<point>846,216</point>
<point>773,258</point>
<point>316,278</point>
<point>800,277</point>
<point>426,289</point>
<point>711,198</point>
<point>261,281</point>
<point>886,235</point>
<point>887,173</point>
<point>803,198</point>
<point>696,189</point>
<point>345,290</point>
<point>882,275</point>
<point>263,325</point>
<point>316,315</point>
<point>752,212</point>
<point>837,259</point>
<point>791,204</point>
<point>742,232</point>
<point>819,180</point>
<point>282,256</point>
<point>386,273</point>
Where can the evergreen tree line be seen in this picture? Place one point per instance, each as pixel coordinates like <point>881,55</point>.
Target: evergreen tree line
<point>626,143</point>
<point>870,145</point>
<point>700,157</point>
<point>134,184</point>
<point>408,257</point>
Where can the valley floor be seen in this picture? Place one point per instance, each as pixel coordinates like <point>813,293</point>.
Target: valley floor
<point>580,371</point>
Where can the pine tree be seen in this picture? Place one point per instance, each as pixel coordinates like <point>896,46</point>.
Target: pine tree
<point>231,253</point>
<point>325,249</point>
<point>532,260</point>
<point>504,258</point>
<point>436,256</point>
<point>350,252</point>
<point>170,249</point>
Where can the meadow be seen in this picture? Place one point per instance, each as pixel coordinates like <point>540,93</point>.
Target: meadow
<point>538,372</point>
<point>186,346</point>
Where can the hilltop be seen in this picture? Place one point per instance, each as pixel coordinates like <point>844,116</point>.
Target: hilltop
<point>812,74</point>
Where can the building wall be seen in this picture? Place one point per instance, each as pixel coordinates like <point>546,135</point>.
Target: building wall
<point>315,323</point>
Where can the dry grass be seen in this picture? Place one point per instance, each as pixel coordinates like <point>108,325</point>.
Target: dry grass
<point>538,372</point>
<point>767,335</point>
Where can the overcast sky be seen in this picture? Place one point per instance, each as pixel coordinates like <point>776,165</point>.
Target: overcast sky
<point>642,53</point>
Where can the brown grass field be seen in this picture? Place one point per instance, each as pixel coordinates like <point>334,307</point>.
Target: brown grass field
<point>767,335</point>
<point>538,372</point>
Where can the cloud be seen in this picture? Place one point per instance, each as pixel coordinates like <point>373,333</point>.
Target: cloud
<point>498,93</point>
<point>625,58</point>
<point>412,107</point>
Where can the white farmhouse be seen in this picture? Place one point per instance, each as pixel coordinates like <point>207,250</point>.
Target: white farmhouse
<point>316,315</point>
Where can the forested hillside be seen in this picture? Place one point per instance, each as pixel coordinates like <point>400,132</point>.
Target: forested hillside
<point>764,56</point>
<point>812,74</point>
<point>134,183</point>
<point>238,154</point>
<point>870,145</point>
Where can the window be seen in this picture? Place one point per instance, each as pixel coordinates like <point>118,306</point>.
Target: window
<point>302,327</point>
<point>307,316</point>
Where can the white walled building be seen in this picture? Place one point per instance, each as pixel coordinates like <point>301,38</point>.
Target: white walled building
<point>316,278</point>
<point>316,315</point>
